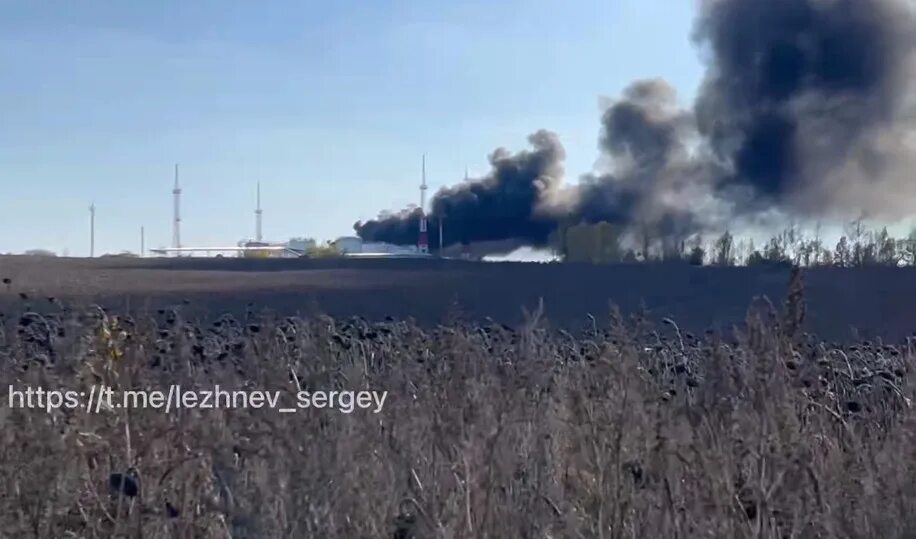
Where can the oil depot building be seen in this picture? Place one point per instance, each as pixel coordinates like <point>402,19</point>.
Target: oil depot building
<point>355,246</point>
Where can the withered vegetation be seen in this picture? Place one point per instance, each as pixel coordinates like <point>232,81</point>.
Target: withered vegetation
<point>623,430</point>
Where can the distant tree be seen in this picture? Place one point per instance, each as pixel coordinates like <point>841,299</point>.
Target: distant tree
<point>40,252</point>
<point>580,243</point>
<point>808,253</point>
<point>804,254</point>
<point>842,256</point>
<point>673,249</point>
<point>597,243</point>
<point>558,238</point>
<point>775,251</point>
<point>868,249</point>
<point>751,249</point>
<point>739,251</point>
<point>606,243</point>
<point>907,249</point>
<point>887,249</point>
<point>557,242</point>
<point>817,246</point>
<point>724,254</point>
<point>856,232</point>
<point>645,239</point>
<point>792,242</point>
<point>756,258</point>
<point>696,254</point>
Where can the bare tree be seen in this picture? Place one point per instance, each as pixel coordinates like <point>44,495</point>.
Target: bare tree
<point>725,250</point>
<point>842,255</point>
<point>887,249</point>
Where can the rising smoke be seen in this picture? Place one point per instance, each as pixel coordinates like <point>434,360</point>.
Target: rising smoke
<point>805,109</point>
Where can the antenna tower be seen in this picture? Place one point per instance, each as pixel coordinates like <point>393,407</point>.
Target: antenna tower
<point>423,244</point>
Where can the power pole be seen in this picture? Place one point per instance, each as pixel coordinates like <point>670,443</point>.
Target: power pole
<point>176,218</point>
<point>142,243</point>
<point>258,213</point>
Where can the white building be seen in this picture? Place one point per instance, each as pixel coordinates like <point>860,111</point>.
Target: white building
<point>348,245</point>
<point>388,248</point>
<point>301,244</point>
<point>351,245</point>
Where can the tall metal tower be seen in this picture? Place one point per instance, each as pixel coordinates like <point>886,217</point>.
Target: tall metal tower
<point>423,188</point>
<point>92,230</point>
<point>176,223</point>
<point>257,217</point>
<point>423,244</point>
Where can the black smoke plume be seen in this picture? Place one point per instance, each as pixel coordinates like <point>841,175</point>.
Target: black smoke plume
<point>807,102</point>
<point>511,202</point>
<point>804,109</point>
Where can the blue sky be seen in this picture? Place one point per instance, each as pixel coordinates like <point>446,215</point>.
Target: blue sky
<point>329,104</point>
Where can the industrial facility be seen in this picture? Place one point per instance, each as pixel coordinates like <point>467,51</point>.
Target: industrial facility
<point>354,246</point>
<point>255,248</point>
<point>296,247</point>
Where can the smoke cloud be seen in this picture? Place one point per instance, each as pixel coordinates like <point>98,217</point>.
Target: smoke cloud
<point>807,101</point>
<point>804,109</point>
<point>511,202</point>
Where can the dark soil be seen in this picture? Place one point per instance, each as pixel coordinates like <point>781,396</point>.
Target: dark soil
<point>875,301</point>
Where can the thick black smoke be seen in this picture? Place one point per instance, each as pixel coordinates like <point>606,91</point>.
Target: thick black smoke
<point>807,101</point>
<point>804,109</point>
<point>652,171</point>
<point>511,202</point>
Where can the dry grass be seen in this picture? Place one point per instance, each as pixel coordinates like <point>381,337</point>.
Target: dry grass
<point>620,431</point>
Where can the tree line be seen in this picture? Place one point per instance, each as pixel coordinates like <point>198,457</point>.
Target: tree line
<point>858,246</point>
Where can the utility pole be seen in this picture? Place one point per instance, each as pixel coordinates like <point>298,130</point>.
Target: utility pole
<point>176,224</point>
<point>142,243</point>
<point>258,213</point>
<point>92,230</point>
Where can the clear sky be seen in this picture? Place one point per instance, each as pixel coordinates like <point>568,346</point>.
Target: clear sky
<point>329,104</point>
